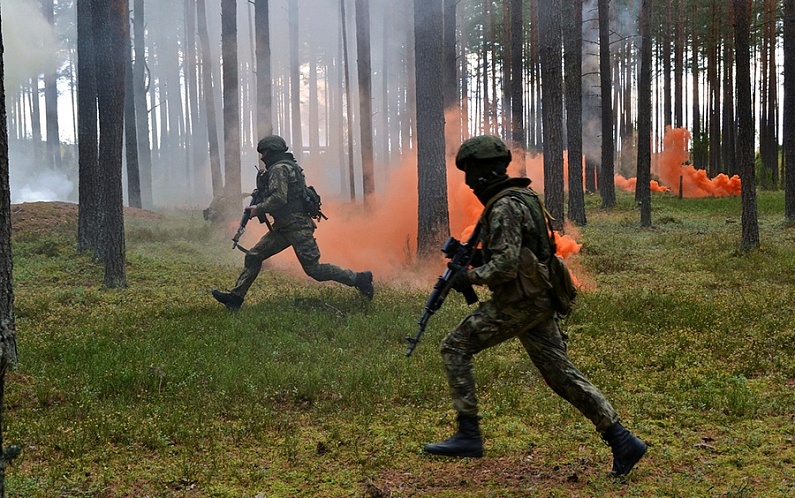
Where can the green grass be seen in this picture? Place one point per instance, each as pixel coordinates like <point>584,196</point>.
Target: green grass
<point>156,391</point>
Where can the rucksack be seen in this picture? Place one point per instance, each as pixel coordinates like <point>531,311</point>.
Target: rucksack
<point>312,203</point>
<point>561,285</point>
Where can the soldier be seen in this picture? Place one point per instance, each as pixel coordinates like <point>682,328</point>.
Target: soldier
<point>515,243</point>
<point>281,181</point>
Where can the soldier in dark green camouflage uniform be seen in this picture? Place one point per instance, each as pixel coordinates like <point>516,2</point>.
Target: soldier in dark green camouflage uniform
<point>282,181</point>
<point>515,243</point>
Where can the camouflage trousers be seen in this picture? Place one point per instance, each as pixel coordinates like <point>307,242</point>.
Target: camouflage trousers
<point>306,249</point>
<point>538,331</point>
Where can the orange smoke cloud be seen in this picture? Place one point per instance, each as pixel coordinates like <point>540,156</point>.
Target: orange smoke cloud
<point>674,164</point>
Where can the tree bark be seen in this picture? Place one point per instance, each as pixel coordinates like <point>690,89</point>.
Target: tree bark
<point>111,26</point>
<point>363,67</point>
<point>88,213</point>
<point>552,107</point>
<point>209,100</point>
<point>572,41</point>
<point>789,110</point>
<point>8,340</point>
<point>264,90</point>
<point>745,120</point>
<point>231,103</point>
<point>607,186</point>
<point>51,102</point>
<point>141,108</point>
<point>433,218</point>
<point>643,189</point>
<point>295,81</point>
<point>130,135</point>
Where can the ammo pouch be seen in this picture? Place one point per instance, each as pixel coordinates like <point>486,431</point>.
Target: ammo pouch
<point>532,279</point>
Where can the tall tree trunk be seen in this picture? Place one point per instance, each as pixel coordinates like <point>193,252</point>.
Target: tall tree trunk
<point>714,88</point>
<point>51,102</point>
<point>112,29</point>
<point>789,110</point>
<point>8,340</point>
<point>363,69</point>
<point>348,101</point>
<point>449,74</point>
<point>769,148</point>
<point>433,218</point>
<point>607,186</point>
<point>314,126</point>
<point>552,107</point>
<point>130,135</point>
<point>727,116</point>
<point>517,82</point>
<point>35,120</point>
<point>642,186</point>
<point>745,120</point>
<point>264,90</point>
<point>196,136</point>
<point>295,81</point>
<point>141,108</point>
<point>679,49</point>
<point>231,103</point>
<point>88,213</point>
<point>698,142</point>
<point>666,59</point>
<point>209,100</point>
<point>572,41</point>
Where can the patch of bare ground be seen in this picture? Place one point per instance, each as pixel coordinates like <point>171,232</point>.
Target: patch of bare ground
<point>521,476</point>
<point>57,218</point>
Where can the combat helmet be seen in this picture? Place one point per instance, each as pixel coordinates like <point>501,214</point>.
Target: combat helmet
<point>272,143</point>
<point>480,148</point>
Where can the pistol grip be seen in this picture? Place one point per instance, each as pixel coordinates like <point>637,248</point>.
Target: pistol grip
<point>470,295</point>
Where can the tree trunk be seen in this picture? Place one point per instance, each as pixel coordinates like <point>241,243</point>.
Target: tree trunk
<point>363,69</point>
<point>112,29</point>
<point>231,103</point>
<point>264,90</point>
<point>642,186</point>
<point>713,84</point>
<point>433,219</point>
<point>789,110</point>
<point>51,102</point>
<point>8,340</point>
<point>745,120</point>
<point>348,101</point>
<point>679,49</point>
<point>209,101</point>
<point>196,136</point>
<point>607,186</point>
<point>141,108</point>
<point>130,135</point>
<point>295,81</point>
<point>88,213</point>
<point>552,107</point>
<point>727,115</point>
<point>517,82</point>
<point>572,41</point>
<point>666,60</point>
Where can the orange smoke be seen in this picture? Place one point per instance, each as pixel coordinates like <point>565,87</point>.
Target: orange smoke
<point>674,164</point>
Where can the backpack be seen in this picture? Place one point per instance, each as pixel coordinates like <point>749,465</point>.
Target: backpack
<point>312,202</point>
<point>561,285</point>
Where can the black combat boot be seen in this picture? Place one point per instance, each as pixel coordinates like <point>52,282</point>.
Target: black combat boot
<point>627,449</point>
<point>232,302</point>
<point>467,442</point>
<point>364,283</point>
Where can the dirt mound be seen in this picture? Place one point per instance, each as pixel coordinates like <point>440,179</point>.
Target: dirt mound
<point>56,218</point>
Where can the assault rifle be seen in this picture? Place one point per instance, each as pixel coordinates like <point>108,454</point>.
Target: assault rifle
<point>255,199</point>
<point>459,254</point>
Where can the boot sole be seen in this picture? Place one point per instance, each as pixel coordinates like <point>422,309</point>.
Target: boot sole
<point>467,454</point>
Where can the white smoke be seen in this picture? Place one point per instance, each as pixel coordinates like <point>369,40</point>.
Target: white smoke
<point>31,45</point>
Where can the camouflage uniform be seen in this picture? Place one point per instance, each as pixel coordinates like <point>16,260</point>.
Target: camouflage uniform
<point>511,224</point>
<point>282,184</point>
<point>515,243</point>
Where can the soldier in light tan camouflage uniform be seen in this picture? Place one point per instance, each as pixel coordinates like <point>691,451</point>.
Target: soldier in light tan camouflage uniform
<point>515,243</point>
<point>281,181</point>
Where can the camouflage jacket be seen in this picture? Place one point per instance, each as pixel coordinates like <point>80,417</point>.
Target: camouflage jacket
<point>514,241</point>
<point>281,188</point>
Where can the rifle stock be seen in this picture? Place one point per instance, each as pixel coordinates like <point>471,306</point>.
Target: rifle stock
<point>459,255</point>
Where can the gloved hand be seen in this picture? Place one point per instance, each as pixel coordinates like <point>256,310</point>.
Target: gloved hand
<point>460,279</point>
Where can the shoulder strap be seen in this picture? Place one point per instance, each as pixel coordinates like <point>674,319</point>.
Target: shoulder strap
<point>517,192</point>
